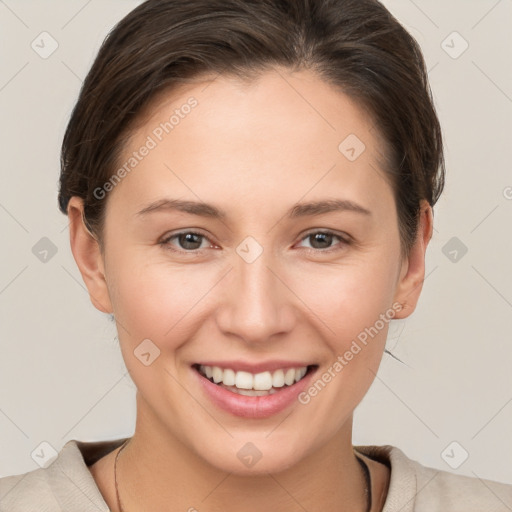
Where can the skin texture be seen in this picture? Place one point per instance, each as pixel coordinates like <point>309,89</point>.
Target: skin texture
<point>253,150</point>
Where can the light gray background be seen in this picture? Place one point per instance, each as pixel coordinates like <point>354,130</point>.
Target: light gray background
<point>61,373</point>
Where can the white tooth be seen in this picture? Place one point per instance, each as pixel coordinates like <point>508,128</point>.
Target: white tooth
<point>244,380</point>
<point>262,381</point>
<point>299,374</point>
<point>217,374</point>
<point>278,379</point>
<point>289,377</point>
<point>229,377</point>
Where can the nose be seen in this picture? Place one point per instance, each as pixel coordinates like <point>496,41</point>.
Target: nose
<point>256,305</point>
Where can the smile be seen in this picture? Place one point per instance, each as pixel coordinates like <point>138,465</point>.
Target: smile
<point>253,384</point>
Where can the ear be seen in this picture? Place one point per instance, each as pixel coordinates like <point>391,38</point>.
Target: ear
<point>87,253</point>
<point>412,273</point>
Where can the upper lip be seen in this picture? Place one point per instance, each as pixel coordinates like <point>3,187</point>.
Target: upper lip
<point>245,366</point>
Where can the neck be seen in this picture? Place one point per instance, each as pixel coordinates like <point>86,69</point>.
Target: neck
<point>334,486</point>
<point>155,470</point>
<point>158,471</point>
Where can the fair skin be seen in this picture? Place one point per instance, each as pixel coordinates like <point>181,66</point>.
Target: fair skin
<point>253,151</point>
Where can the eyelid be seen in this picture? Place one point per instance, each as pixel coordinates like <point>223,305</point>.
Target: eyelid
<point>327,231</point>
<point>345,238</point>
<point>164,240</point>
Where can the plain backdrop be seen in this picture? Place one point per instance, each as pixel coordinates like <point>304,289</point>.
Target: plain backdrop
<point>61,373</point>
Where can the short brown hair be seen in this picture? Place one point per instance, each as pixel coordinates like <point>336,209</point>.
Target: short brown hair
<point>355,45</point>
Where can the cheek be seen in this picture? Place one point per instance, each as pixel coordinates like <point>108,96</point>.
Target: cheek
<point>350,297</point>
<point>154,299</point>
<point>353,310</point>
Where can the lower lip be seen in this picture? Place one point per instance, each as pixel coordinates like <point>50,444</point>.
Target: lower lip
<point>253,406</point>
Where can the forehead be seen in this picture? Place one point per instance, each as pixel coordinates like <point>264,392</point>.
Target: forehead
<point>281,136</point>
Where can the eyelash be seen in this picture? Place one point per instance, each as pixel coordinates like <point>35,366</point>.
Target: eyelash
<point>344,242</point>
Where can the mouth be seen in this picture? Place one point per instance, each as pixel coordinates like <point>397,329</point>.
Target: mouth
<point>254,384</point>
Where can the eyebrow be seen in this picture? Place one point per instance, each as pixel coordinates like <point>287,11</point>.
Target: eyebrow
<point>298,210</point>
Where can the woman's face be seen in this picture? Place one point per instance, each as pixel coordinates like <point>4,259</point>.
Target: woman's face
<point>254,289</point>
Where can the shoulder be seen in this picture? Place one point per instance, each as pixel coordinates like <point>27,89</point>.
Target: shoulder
<point>65,484</point>
<point>417,488</point>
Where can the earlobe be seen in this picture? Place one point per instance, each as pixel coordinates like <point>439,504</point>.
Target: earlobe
<point>413,269</point>
<point>88,257</point>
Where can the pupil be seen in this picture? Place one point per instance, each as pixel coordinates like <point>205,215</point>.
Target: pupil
<point>324,237</point>
<point>188,238</point>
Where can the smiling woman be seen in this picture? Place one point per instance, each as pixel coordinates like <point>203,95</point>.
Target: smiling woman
<point>252,256</point>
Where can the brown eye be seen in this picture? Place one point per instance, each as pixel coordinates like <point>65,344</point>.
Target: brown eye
<point>322,240</point>
<point>186,240</point>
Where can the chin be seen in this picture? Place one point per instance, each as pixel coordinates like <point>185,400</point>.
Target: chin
<point>252,454</point>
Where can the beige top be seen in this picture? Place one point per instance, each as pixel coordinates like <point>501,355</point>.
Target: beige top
<point>67,485</point>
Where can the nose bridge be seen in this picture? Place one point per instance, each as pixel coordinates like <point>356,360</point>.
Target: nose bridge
<point>256,305</point>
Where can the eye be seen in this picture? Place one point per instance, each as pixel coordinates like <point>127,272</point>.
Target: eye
<point>188,241</point>
<point>321,241</point>
<point>191,241</point>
